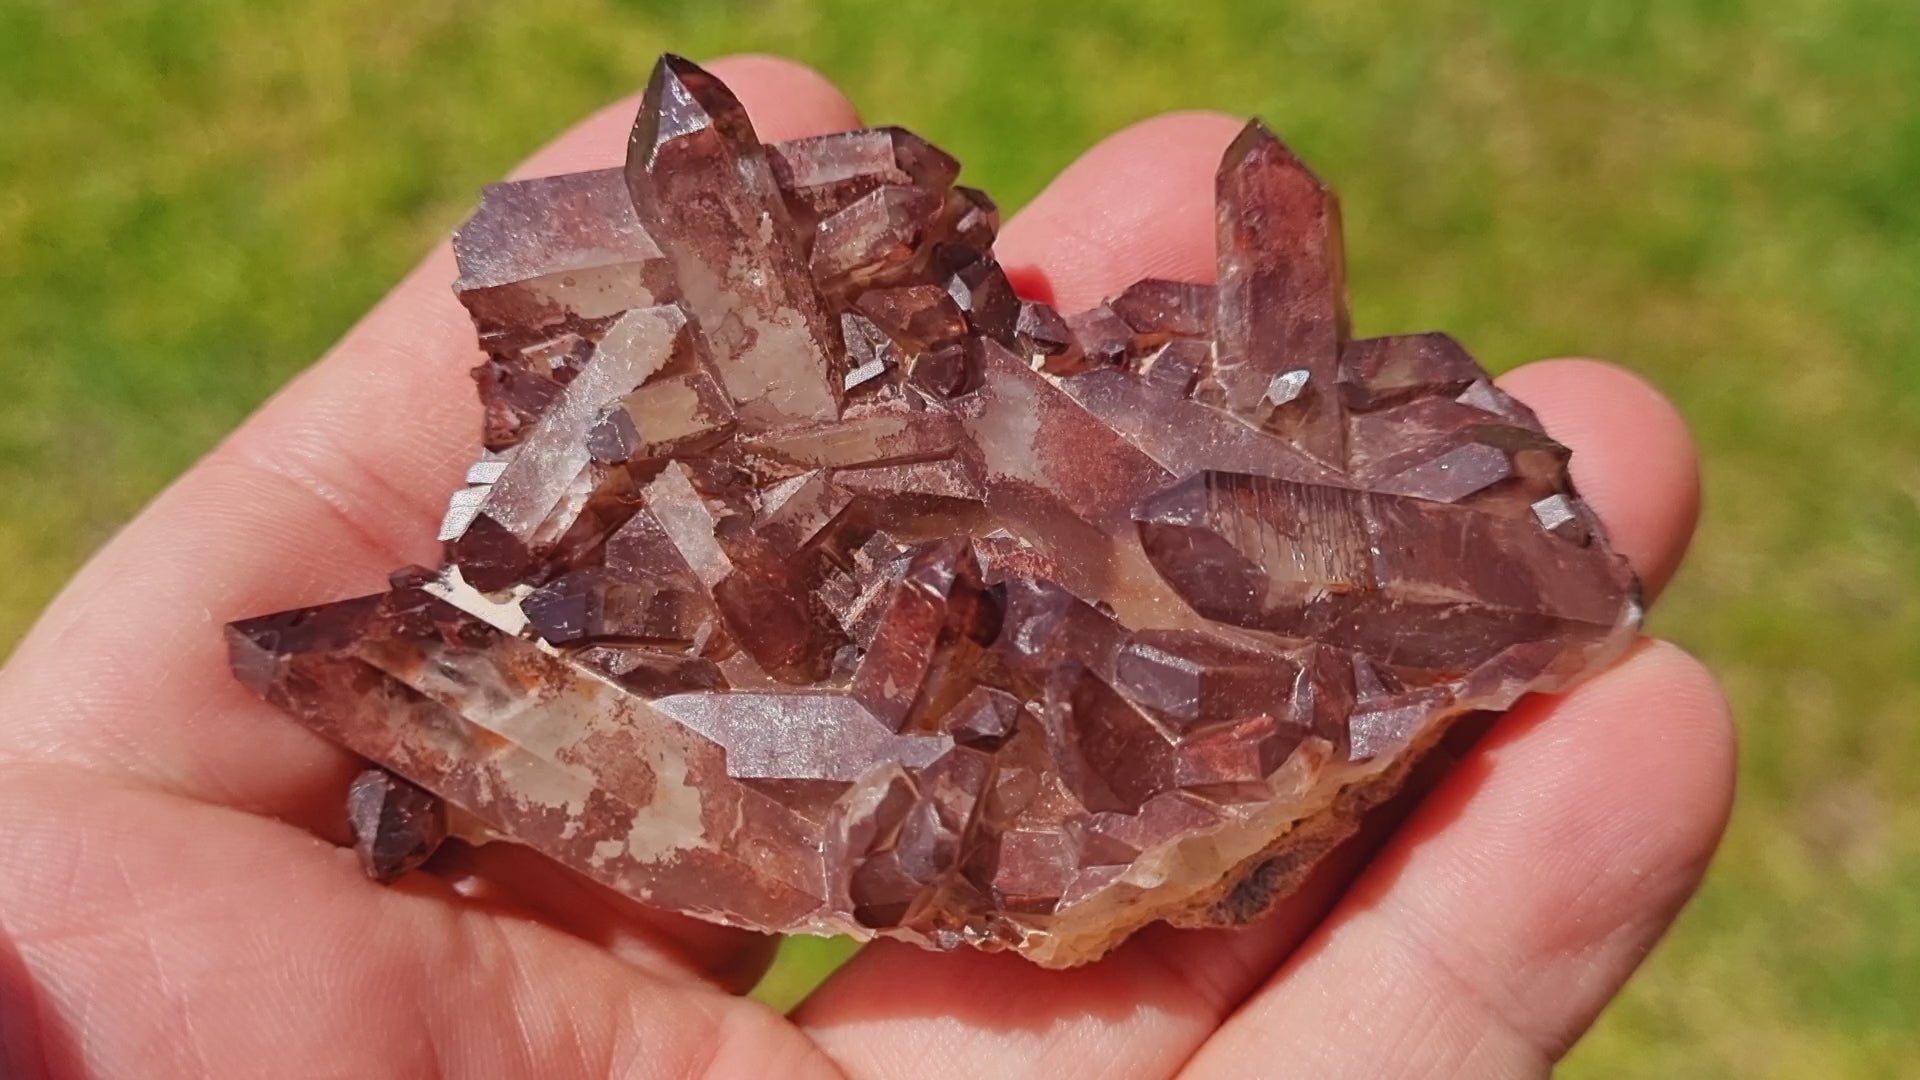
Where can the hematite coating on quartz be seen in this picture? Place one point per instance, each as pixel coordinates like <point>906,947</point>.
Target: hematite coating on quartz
<point>815,582</point>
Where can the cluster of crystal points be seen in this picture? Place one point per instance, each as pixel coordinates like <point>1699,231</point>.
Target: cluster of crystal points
<point>814,581</point>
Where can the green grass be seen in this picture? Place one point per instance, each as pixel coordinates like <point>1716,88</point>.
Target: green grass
<point>196,196</point>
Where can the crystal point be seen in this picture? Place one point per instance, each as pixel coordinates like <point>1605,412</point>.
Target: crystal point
<point>703,187</point>
<point>814,581</point>
<point>1282,292</point>
<point>396,826</point>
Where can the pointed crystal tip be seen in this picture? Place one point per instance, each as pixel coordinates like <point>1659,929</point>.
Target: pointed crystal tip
<point>814,581</point>
<point>682,100</point>
<point>1258,147</point>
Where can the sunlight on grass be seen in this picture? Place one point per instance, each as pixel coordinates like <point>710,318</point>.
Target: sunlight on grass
<point>803,963</point>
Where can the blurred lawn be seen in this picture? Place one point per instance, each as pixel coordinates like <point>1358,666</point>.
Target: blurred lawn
<point>196,196</point>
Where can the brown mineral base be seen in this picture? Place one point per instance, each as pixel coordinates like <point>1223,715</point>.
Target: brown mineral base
<point>813,581</point>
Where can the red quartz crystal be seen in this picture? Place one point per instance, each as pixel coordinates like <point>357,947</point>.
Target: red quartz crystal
<point>396,826</point>
<point>815,582</point>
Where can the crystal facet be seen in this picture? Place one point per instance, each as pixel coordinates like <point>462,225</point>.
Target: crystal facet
<point>813,581</point>
<point>396,826</point>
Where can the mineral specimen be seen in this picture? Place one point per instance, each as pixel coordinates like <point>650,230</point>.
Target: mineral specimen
<point>396,826</point>
<point>815,582</point>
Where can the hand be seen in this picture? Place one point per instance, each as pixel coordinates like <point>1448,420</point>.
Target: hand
<point>174,900</point>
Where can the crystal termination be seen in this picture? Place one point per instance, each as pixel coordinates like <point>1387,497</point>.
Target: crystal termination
<point>814,581</point>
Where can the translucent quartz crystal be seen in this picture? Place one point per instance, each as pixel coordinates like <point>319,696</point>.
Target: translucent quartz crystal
<point>815,582</point>
<point>396,826</point>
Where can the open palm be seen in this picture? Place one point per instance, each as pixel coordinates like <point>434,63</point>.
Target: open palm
<point>174,900</point>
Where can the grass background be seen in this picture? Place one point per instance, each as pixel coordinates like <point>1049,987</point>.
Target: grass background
<point>196,196</point>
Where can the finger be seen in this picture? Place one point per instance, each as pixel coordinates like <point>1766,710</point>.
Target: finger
<point>1148,1006</point>
<point>334,482</point>
<point>1518,898</point>
<point>1633,460</point>
<point>182,939</point>
<point>518,879</point>
<point>1138,205</point>
<point>1141,1011</point>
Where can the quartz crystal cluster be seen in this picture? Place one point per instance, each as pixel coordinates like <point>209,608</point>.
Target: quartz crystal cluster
<point>812,580</point>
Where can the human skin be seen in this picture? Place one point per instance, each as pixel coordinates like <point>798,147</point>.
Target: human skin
<point>175,899</point>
